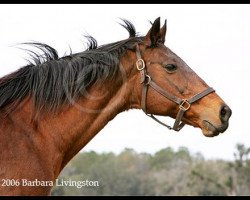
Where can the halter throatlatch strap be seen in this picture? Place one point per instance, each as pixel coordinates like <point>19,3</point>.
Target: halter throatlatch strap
<point>184,104</point>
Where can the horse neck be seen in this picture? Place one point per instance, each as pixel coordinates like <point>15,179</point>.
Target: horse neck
<point>64,134</point>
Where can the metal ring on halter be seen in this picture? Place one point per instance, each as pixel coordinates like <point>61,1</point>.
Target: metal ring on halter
<point>140,64</point>
<point>148,79</point>
<point>185,105</point>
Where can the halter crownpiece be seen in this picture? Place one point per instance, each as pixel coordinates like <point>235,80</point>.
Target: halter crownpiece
<point>184,104</point>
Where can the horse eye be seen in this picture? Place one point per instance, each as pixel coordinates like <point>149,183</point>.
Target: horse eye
<point>170,67</point>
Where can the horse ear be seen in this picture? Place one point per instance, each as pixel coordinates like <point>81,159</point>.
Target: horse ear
<point>163,32</point>
<point>153,35</point>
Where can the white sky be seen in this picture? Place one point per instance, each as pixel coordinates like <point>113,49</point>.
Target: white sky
<point>214,40</point>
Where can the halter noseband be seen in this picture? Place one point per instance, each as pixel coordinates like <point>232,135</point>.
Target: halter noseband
<point>184,104</point>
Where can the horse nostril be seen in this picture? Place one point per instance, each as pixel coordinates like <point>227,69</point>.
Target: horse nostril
<point>225,113</point>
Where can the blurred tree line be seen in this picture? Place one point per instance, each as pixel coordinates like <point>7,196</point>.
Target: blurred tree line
<point>167,172</point>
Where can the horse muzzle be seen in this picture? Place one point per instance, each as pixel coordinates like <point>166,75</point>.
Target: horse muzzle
<point>210,130</point>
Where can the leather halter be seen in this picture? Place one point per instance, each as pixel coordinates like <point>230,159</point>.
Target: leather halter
<point>184,104</point>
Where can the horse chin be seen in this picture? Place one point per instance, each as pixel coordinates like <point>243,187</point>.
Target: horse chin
<point>209,130</point>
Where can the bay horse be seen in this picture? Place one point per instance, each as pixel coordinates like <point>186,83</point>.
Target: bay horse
<point>51,108</point>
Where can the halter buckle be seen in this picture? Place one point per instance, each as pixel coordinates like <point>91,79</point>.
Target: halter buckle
<point>140,64</point>
<point>147,79</point>
<point>185,105</point>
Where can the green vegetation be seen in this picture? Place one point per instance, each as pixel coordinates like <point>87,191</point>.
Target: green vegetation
<point>167,172</point>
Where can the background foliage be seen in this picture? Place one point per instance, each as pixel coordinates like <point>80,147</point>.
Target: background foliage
<point>167,172</point>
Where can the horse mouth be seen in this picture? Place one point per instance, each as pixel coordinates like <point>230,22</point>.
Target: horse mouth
<point>209,130</point>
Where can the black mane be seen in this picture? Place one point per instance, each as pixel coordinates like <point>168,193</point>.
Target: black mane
<point>52,81</point>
